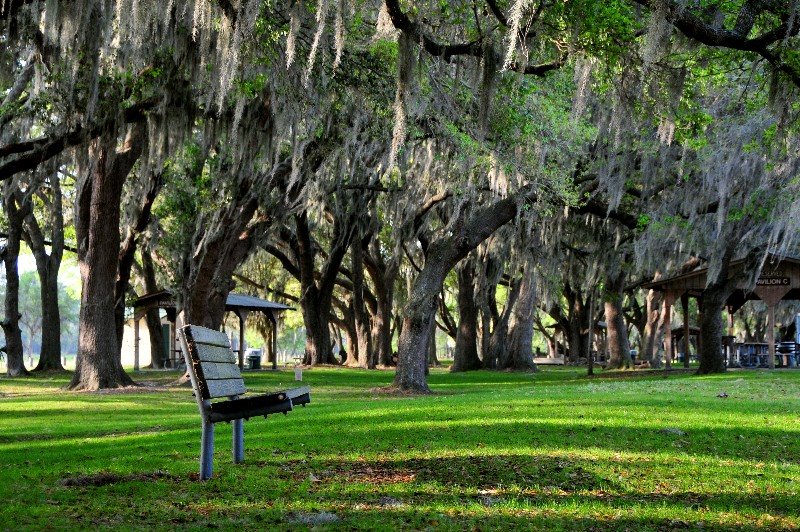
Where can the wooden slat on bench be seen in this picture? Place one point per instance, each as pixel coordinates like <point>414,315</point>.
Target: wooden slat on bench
<point>214,353</point>
<point>225,387</point>
<point>297,392</point>
<point>201,335</point>
<point>220,370</point>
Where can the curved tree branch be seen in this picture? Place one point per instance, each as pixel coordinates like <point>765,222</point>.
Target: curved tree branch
<point>738,38</point>
<point>403,22</point>
<point>36,151</point>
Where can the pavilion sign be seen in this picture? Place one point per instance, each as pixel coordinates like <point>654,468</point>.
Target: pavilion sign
<point>773,281</point>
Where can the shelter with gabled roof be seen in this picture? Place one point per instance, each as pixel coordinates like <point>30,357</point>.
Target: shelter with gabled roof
<point>240,304</point>
<point>779,280</point>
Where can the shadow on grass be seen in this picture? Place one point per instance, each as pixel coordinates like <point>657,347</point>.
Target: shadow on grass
<point>380,429</point>
<point>476,472</point>
<point>529,481</point>
<point>516,492</point>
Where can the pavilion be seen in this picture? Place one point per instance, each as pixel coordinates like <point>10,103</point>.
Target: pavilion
<point>779,280</point>
<point>240,304</point>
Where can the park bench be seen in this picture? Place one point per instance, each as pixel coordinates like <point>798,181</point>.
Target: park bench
<point>215,374</point>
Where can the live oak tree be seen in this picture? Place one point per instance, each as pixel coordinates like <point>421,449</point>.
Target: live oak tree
<point>16,207</point>
<point>97,230</point>
<point>32,322</point>
<point>98,100</point>
<point>50,197</point>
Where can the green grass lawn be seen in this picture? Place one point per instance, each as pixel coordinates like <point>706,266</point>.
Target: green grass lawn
<point>488,450</point>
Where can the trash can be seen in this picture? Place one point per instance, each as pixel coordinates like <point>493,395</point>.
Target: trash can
<point>254,361</point>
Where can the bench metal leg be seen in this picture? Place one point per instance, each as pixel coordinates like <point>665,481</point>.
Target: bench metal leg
<point>238,441</point>
<point>206,451</point>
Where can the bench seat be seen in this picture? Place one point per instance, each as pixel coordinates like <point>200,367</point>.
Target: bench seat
<point>259,405</point>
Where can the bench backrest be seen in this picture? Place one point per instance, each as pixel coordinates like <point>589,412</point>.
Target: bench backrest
<point>211,363</point>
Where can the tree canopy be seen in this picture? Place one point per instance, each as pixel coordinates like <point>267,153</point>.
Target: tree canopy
<point>552,154</point>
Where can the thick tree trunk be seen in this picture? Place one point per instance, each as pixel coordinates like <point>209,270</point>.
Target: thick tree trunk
<point>382,324</point>
<point>50,356</point>
<point>383,277</point>
<point>418,322</point>
<point>441,256</point>
<point>498,341</point>
<point>315,300</point>
<point>520,345</point>
<point>365,357</point>
<point>489,275</point>
<point>465,357</point>
<point>712,329</point>
<point>206,290</point>
<point>222,242</point>
<point>219,250</point>
<point>577,334</point>
<point>316,311</point>
<point>650,337</point>
<point>97,227</point>
<point>13,334</point>
<point>47,267</point>
<point>351,360</point>
<point>433,360</point>
<point>127,251</point>
<point>618,345</point>
<point>716,293</point>
<point>152,317</point>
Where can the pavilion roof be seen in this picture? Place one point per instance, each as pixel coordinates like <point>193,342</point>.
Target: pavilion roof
<point>777,271</point>
<point>166,299</point>
<point>696,279</point>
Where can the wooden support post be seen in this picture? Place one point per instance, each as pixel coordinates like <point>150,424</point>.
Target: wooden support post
<point>699,319</point>
<point>771,335</point>
<point>172,318</point>
<point>668,336</point>
<point>238,441</point>
<point>686,332</point>
<point>242,318</point>
<point>274,339</point>
<point>207,451</point>
<point>731,341</point>
<point>589,357</point>
<point>135,344</point>
<point>668,326</point>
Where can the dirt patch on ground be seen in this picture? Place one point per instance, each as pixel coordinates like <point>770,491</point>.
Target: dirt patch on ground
<point>369,472</point>
<point>640,373</point>
<point>138,388</point>
<point>482,472</point>
<point>394,391</point>
<point>103,479</point>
